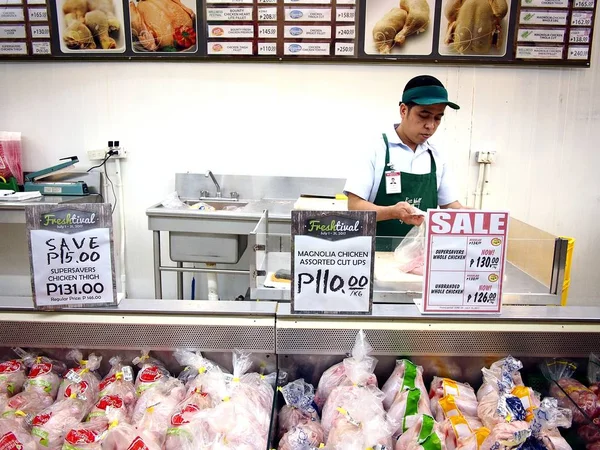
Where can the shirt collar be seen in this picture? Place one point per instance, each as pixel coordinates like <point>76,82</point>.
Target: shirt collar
<point>394,139</point>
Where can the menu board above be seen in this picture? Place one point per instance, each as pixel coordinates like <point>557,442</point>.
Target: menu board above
<point>516,32</point>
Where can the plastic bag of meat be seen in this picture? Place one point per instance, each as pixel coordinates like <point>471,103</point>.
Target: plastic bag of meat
<point>12,377</point>
<point>118,379</point>
<point>424,433</point>
<point>299,408</point>
<point>463,394</point>
<point>14,437</point>
<point>507,436</point>
<point>408,406</point>
<point>590,433</point>
<point>411,251</point>
<point>86,436</point>
<point>122,436</point>
<point>52,424</point>
<point>44,374</point>
<point>594,373</point>
<point>194,363</point>
<point>357,369</point>
<point>544,434</point>
<point>117,392</point>
<point>360,431</point>
<point>458,428</point>
<point>152,373</point>
<point>183,430</point>
<point>10,155</point>
<point>406,375</point>
<point>82,380</point>
<point>25,404</point>
<point>306,436</point>
<point>570,393</point>
<point>503,375</point>
<point>474,441</point>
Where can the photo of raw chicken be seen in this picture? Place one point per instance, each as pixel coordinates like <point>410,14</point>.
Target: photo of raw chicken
<point>399,27</point>
<point>474,27</point>
<point>91,26</point>
<point>163,25</point>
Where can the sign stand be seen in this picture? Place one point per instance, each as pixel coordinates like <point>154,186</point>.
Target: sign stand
<point>332,262</point>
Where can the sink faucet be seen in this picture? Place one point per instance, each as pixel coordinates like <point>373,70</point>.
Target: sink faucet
<point>214,180</point>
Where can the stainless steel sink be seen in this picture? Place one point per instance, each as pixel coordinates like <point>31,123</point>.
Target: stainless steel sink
<point>219,205</point>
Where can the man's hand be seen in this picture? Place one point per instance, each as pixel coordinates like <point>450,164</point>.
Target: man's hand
<point>405,212</point>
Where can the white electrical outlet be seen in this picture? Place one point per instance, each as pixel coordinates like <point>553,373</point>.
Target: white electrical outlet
<point>122,153</point>
<point>96,155</point>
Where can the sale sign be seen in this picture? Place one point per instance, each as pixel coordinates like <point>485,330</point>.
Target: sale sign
<point>71,255</point>
<point>466,252</point>
<point>332,261</point>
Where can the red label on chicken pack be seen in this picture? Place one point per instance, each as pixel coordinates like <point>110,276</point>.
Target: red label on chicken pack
<point>137,444</point>
<point>10,366</point>
<point>39,369</point>
<point>178,418</point>
<point>108,381</point>
<point>10,442</point>
<point>75,437</point>
<point>74,389</point>
<point>41,419</point>
<point>114,401</point>
<point>150,374</point>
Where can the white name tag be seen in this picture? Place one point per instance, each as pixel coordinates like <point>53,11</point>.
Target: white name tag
<point>392,182</point>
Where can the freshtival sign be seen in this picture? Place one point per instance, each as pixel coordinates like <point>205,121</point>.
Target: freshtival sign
<point>68,218</point>
<point>333,227</point>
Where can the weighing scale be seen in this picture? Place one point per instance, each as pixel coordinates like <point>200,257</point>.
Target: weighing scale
<point>32,182</point>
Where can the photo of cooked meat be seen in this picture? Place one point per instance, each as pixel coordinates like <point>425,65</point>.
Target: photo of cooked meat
<point>474,27</point>
<point>163,25</point>
<point>91,25</point>
<point>399,27</point>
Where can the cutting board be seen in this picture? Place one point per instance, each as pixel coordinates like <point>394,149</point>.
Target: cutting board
<point>387,270</point>
<point>320,204</point>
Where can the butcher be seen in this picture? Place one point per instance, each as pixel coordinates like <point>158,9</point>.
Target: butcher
<point>404,170</point>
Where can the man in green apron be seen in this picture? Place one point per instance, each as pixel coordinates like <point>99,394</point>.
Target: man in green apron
<point>404,171</point>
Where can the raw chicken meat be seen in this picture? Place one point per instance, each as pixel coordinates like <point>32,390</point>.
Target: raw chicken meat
<point>406,375</point>
<point>463,394</point>
<point>155,407</point>
<point>121,405</point>
<point>26,403</point>
<point>125,437</point>
<point>450,405</point>
<point>507,436</point>
<point>44,375</point>
<point>118,376</point>
<point>408,406</point>
<point>299,409</point>
<point>52,424</point>
<point>195,364</point>
<point>474,441</point>
<point>152,373</point>
<point>305,436</point>
<point>81,381</point>
<point>425,431</point>
<point>12,376</point>
<point>86,436</point>
<point>183,430</point>
<point>595,388</point>
<point>590,433</point>
<point>575,396</point>
<point>458,428</point>
<point>14,437</point>
<point>355,370</point>
<point>117,392</point>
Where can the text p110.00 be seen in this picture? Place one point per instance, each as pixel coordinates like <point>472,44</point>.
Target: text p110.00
<point>74,289</point>
<point>324,282</point>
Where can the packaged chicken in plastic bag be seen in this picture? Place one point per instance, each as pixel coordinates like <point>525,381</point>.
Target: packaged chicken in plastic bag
<point>86,436</point>
<point>424,434</point>
<point>594,374</point>
<point>256,388</point>
<point>83,377</point>
<point>44,374</point>
<point>410,254</point>
<point>195,365</point>
<point>356,369</point>
<point>463,396</point>
<point>14,437</point>
<point>152,372</point>
<point>123,436</point>
<point>184,433</point>
<point>117,392</point>
<point>507,436</point>
<point>408,406</point>
<point>10,156</point>
<point>50,426</point>
<point>305,436</point>
<point>569,392</point>
<point>12,376</point>
<point>544,427</point>
<point>406,375</point>
<point>299,405</point>
<point>474,441</point>
<point>456,426</point>
<point>26,404</point>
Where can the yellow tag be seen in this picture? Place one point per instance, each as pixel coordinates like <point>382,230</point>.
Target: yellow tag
<point>119,375</point>
<point>482,434</point>
<point>150,409</point>
<point>113,424</point>
<point>20,413</point>
<point>523,393</point>
<point>84,371</point>
<point>83,362</point>
<point>450,387</point>
<point>236,380</point>
<point>448,405</point>
<point>461,426</point>
<point>262,377</point>
<point>321,445</point>
<point>279,389</point>
<point>38,359</point>
<point>341,410</point>
<point>73,395</point>
<point>202,370</point>
<point>226,399</point>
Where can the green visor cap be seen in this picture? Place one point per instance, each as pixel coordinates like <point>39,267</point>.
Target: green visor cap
<point>428,95</point>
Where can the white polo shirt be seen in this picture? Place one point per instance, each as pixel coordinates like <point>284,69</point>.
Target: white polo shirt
<point>366,175</point>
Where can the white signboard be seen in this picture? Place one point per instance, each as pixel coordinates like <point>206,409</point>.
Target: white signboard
<point>332,262</point>
<point>466,253</point>
<point>71,254</point>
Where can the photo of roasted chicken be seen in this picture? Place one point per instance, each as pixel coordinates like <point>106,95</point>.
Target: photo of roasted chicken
<point>162,25</point>
<point>474,26</point>
<point>412,17</point>
<point>90,25</point>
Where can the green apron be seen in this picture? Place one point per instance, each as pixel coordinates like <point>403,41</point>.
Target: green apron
<point>418,190</point>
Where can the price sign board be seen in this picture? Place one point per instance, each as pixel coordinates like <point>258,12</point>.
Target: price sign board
<point>466,253</point>
<point>71,255</point>
<point>332,261</point>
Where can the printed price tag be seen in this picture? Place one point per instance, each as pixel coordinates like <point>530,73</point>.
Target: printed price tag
<point>586,4</point>
<point>13,48</point>
<point>580,36</point>
<point>267,14</point>
<point>345,14</point>
<point>307,14</point>
<point>127,373</point>
<point>73,376</point>
<point>267,31</point>
<point>230,48</point>
<point>268,1</point>
<point>306,48</point>
<point>579,52</point>
<point>346,2</point>
<point>41,48</point>
<point>307,32</point>
<point>10,2</point>
<point>267,48</point>
<point>230,31</point>
<point>309,2</point>
<point>532,17</point>
<point>524,52</point>
<point>345,32</point>
<point>545,3</point>
<point>465,261</point>
<point>541,35</point>
<point>12,32</point>
<point>38,15</point>
<point>40,31</point>
<point>229,14</point>
<point>581,18</point>
<point>332,261</point>
<point>36,2</point>
<point>12,15</point>
<point>344,49</point>
<point>228,1</point>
